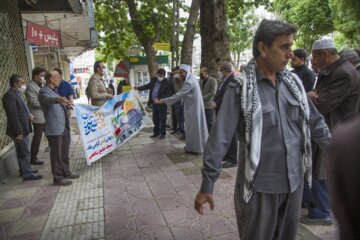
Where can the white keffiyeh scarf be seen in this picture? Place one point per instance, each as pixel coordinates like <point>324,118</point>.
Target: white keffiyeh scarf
<point>251,126</point>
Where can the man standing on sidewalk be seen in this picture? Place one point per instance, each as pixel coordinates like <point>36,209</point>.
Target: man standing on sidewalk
<point>31,95</point>
<point>336,97</point>
<point>208,87</point>
<point>159,87</point>
<point>19,125</point>
<point>178,107</point>
<point>96,87</point>
<point>226,76</point>
<point>269,109</point>
<point>57,129</point>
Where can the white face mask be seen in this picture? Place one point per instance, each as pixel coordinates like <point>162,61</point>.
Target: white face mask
<point>23,88</point>
<point>160,79</point>
<point>177,75</point>
<point>221,75</point>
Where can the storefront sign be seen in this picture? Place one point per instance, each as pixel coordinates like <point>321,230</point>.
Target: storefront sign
<point>42,35</point>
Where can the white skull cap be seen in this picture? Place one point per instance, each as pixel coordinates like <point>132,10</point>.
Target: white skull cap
<point>185,67</point>
<point>325,43</point>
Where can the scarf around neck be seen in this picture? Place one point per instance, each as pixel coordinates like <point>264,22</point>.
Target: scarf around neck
<point>251,125</point>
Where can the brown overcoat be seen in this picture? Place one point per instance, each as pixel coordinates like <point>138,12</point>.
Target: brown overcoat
<point>338,87</point>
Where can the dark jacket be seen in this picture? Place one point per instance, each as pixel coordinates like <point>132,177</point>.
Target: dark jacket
<point>164,91</point>
<point>221,91</point>
<point>306,75</point>
<point>338,87</point>
<point>18,119</point>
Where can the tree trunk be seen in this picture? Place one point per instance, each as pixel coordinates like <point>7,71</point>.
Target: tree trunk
<point>214,38</point>
<point>187,45</point>
<point>151,58</point>
<point>144,40</point>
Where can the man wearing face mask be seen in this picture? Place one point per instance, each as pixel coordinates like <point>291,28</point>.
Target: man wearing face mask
<point>31,95</point>
<point>226,76</point>
<point>57,129</point>
<point>208,87</point>
<point>177,84</point>
<point>99,94</point>
<point>19,126</point>
<point>159,88</point>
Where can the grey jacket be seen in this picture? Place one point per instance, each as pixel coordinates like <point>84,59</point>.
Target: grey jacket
<point>31,94</point>
<point>55,113</point>
<point>208,90</point>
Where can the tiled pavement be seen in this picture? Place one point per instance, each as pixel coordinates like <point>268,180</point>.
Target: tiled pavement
<point>144,190</point>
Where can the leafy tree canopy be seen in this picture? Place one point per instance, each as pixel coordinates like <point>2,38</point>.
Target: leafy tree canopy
<point>313,17</point>
<point>116,30</point>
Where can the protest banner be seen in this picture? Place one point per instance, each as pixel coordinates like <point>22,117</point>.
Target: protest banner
<point>105,128</point>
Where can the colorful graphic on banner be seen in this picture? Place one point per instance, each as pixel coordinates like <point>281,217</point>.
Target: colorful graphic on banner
<point>105,128</point>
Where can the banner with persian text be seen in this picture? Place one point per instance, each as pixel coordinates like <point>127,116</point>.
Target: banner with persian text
<point>105,128</point>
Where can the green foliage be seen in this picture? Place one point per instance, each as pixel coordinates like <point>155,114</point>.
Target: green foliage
<point>241,29</point>
<point>347,21</point>
<point>313,17</point>
<point>116,34</point>
<point>116,30</point>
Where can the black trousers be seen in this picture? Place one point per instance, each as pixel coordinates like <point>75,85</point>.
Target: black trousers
<point>159,118</point>
<point>59,155</point>
<point>36,140</point>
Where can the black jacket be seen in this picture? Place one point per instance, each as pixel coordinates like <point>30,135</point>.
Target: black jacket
<point>18,119</point>
<point>221,91</point>
<point>306,75</point>
<point>164,91</point>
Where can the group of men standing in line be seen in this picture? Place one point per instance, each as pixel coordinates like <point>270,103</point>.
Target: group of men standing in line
<point>47,109</point>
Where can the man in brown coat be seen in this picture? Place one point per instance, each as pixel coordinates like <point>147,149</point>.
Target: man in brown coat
<point>336,96</point>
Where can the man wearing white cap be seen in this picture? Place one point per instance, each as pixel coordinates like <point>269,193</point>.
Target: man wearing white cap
<point>336,96</point>
<point>195,121</point>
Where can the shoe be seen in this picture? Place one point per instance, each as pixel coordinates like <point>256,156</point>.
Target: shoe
<point>154,135</point>
<point>47,149</point>
<point>173,132</point>
<point>33,171</point>
<point>162,137</point>
<point>228,165</point>
<point>182,137</point>
<point>33,177</point>
<point>314,221</point>
<point>73,176</point>
<point>36,162</point>
<point>63,182</point>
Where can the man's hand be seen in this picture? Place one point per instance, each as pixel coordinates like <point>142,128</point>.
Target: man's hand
<point>63,100</point>
<point>31,118</point>
<point>108,96</point>
<point>313,95</point>
<point>201,199</point>
<point>109,90</point>
<point>213,105</point>
<point>19,137</point>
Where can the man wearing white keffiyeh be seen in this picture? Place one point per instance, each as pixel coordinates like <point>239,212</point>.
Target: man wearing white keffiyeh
<point>274,123</point>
